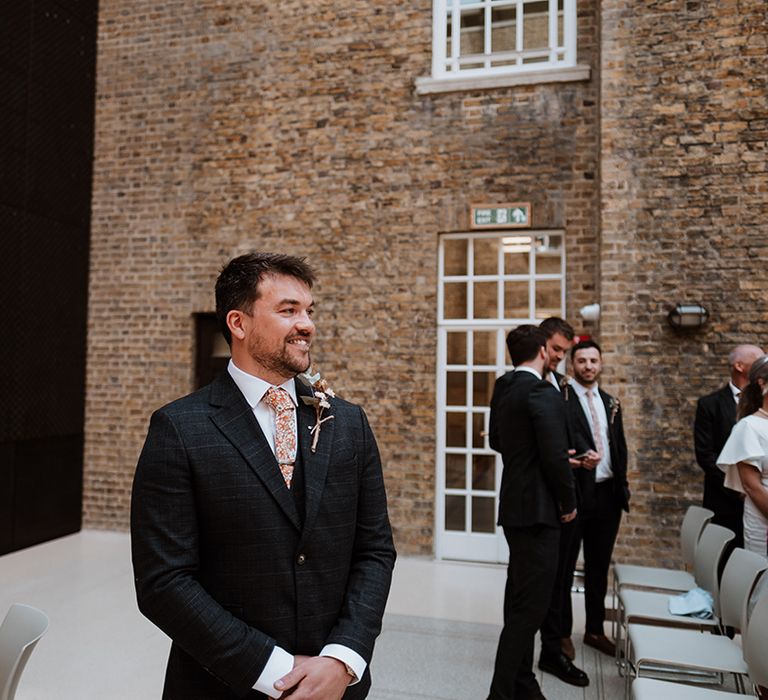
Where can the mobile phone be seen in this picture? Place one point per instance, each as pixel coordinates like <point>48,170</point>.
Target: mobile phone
<point>581,456</point>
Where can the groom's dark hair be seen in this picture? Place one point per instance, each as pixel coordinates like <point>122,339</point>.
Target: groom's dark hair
<point>237,286</point>
<point>524,343</point>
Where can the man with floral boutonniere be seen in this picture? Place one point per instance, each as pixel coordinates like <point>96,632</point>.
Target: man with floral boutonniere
<point>595,420</point>
<point>261,541</point>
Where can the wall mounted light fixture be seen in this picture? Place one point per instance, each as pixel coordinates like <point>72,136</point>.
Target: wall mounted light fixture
<point>687,315</point>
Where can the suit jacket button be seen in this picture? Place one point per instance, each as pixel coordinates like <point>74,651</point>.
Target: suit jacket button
<point>301,559</point>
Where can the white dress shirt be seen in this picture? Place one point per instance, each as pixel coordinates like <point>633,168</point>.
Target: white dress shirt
<point>735,391</point>
<point>528,369</point>
<point>603,470</point>
<point>281,662</point>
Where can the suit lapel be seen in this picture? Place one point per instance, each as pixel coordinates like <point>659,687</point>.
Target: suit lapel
<point>315,464</point>
<point>583,422</point>
<point>238,424</point>
<point>728,406</point>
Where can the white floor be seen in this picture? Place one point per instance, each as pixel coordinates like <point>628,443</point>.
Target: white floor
<point>99,646</point>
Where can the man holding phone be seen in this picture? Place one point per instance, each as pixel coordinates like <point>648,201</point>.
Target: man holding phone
<point>598,432</point>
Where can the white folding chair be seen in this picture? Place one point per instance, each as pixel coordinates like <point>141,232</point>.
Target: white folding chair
<point>653,608</point>
<point>755,644</point>
<point>659,649</point>
<point>662,579</point>
<point>20,631</point>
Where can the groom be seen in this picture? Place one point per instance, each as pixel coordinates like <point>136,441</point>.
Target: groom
<point>263,550</point>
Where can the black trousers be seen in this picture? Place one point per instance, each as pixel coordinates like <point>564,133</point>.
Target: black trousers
<point>530,577</point>
<point>596,528</point>
<point>559,619</point>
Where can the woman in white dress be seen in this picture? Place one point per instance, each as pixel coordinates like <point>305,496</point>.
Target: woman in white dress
<point>744,458</point>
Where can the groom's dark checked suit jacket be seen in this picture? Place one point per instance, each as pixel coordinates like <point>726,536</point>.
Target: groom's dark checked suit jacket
<point>228,562</point>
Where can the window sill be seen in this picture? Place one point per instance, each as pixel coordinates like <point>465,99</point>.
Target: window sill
<point>427,86</point>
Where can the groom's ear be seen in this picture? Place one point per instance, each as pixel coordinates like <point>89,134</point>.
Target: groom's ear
<point>235,319</point>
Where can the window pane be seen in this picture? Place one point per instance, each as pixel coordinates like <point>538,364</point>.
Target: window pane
<point>517,250</point>
<point>536,25</point>
<point>455,256</point>
<point>483,472</point>
<point>486,301</point>
<point>482,388</point>
<point>472,32</point>
<point>483,514</point>
<point>478,428</point>
<point>457,348</point>
<point>549,250</point>
<point>455,430</point>
<point>548,298</point>
<point>516,299</point>
<point>503,32</point>
<point>456,388</point>
<point>455,517</point>
<point>484,348</point>
<point>487,256</point>
<point>455,300</point>
<point>455,471</point>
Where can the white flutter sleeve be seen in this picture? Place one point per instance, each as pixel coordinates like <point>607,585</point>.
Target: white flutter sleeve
<point>743,445</point>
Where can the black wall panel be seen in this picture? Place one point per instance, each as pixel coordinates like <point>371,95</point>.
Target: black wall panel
<point>47,84</point>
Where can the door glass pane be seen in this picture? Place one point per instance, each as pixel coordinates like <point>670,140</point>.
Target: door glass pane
<point>482,388</point>
<point>457,348</point>
<point>483,514</point>
<point>484,348</point>
<point>547,298</point>
<point>456,388</point>
<point>455,300</point>
<point>455,513</point>
<point>483,472</point>
<point>455,471</point>
<point>515,299</point>
<point>486,301</point>
<point>487,256</point>
<point>455,256</point>
<point>549,250</point>
<point>478,428</point>
<point>517,251</point>
<point>455,430</point>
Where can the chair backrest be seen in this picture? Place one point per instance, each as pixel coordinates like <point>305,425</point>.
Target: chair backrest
<point>756,643</point>
<point>712,545</point>
<point>694,521</point>
<point>20,631</point>
<point>738,579</point>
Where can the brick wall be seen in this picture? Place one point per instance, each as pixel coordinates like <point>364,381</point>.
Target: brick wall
<point>226,126</point>
<point>684,206</point>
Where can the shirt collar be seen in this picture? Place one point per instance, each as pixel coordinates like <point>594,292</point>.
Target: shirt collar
<point>582,390</point>
<point>528,369</point>
<point>254,388</point>
<point>734,390</point>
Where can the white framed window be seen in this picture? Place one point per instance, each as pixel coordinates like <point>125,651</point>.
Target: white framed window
<point>477,41</point>
<point>488,283</point>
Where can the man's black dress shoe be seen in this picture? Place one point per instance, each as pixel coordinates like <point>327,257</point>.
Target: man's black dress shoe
<point>560,665</point>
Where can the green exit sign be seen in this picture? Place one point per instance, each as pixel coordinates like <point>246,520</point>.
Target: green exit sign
<point>512,215</point>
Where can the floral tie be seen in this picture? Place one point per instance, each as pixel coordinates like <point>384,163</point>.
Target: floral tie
<point>597,431</point>
<point>280,401</point>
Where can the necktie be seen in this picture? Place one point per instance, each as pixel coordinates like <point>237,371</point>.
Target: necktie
<point>279,400</point>
<point>597,432</point>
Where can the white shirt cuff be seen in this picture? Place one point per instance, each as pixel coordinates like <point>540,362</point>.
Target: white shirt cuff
<point>280,663</point>
<point>349,658</point>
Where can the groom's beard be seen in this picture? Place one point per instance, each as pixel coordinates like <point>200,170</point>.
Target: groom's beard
<point>287,361</point>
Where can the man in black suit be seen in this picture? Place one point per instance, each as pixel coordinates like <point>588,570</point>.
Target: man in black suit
<point>715,417</point>
<point>260,547</point>
<point>598,430</point>
<point>557,650</point>
<point>527,426</point>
